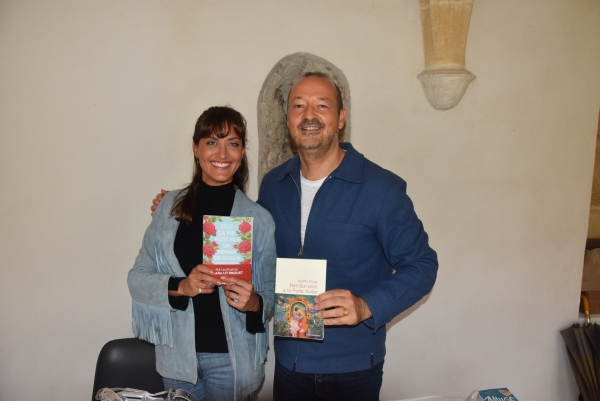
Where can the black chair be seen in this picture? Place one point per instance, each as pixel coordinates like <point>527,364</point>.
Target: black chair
<point>127,362</point>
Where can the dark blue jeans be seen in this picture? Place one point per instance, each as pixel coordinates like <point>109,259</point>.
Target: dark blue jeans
<point>363,385</point>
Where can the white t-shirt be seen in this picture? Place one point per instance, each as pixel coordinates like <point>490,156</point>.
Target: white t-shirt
<point>309,190</point>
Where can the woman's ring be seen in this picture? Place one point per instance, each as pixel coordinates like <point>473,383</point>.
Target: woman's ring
<point>345,312</point>
<point>199,290</point>
<point>236,300</point>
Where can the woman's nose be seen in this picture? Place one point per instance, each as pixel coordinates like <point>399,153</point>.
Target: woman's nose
<point>222,150</point>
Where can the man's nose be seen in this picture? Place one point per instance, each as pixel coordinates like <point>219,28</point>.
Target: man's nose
<point>309,113</point>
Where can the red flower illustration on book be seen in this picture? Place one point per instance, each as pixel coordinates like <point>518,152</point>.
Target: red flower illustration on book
<point>244,247</point>
<point>247,262</point>
<point>245,227</point>
<point>209,228</point>
<point>208,251</point>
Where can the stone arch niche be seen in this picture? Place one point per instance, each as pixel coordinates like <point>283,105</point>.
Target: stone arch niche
<point>274,143</point>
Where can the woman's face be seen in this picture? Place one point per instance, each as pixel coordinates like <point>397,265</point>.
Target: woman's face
<point>219,157</point>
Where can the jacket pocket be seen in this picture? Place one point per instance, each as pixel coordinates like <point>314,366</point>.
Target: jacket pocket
<point>346,239</point>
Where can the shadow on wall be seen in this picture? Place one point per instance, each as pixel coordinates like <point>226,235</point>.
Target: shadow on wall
<point>408,312</point>
<point>273,136</point>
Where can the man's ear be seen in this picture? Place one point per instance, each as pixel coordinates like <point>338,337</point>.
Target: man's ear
<point>342,119</point>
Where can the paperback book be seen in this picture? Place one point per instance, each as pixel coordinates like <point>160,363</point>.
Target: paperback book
<point>297,283</point>
<point>496,394</point>
<point>227,245</point>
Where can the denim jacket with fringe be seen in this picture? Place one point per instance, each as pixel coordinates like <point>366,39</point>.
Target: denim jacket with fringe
<point>171,330</point>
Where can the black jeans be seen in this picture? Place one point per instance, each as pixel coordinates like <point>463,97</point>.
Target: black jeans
<point>363,385</point>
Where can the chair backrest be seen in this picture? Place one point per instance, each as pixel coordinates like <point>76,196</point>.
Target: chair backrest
<point>127,362</point>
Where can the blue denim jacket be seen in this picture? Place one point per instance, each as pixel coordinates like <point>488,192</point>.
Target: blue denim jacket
<point>172,330</point>
<point>364,224</point>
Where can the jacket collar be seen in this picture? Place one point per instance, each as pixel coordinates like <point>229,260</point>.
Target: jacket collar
<point>242,205</point>
<point>350,169</point>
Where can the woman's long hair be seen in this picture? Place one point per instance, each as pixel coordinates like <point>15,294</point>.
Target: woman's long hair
<point>217,120</point>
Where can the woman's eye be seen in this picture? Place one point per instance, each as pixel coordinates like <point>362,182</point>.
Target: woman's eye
<point>211,143</point>
<point>234,144</point>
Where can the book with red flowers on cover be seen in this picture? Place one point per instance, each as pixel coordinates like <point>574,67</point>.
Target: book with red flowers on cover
<point>297,283</point>
<point>227,245</point>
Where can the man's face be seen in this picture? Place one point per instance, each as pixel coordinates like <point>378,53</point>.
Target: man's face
<point>312,118</point>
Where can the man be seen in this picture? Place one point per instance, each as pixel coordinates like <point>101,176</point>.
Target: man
<point>329,202</point>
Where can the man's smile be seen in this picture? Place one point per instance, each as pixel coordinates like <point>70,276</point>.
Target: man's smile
<point>311,126</point>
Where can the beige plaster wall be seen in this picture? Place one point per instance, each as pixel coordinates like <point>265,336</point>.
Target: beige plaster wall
<point>97,105</point>
<point>594,220</point>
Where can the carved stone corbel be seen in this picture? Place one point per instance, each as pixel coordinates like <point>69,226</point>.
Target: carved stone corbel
<point>445,27</point>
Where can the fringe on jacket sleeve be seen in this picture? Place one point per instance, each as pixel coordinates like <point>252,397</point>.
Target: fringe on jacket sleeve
<point>152,324</point>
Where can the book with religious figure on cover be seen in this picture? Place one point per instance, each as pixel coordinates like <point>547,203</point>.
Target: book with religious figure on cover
<point>227,245</point>
<point>496,394</point>
<point>297,283</point>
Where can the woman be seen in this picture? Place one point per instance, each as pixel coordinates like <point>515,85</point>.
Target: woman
<point>178,304</point>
